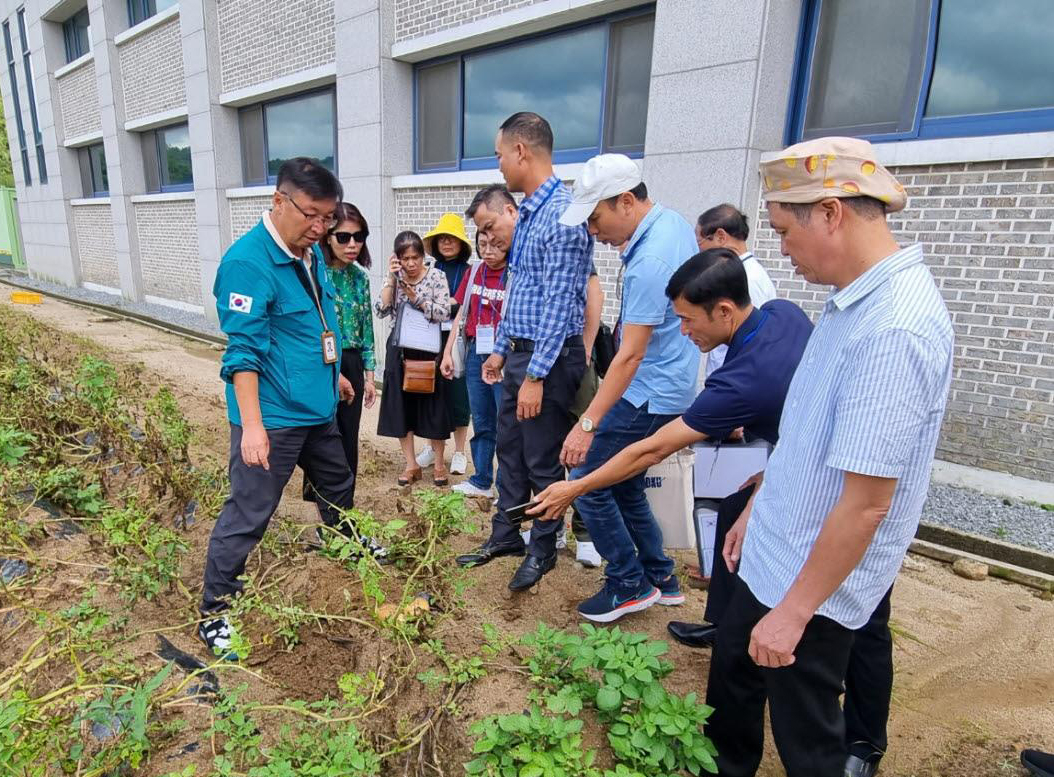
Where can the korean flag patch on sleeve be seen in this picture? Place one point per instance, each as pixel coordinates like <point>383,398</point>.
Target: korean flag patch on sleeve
<point>240,303</point>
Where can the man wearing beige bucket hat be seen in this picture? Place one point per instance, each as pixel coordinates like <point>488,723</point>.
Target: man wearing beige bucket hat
<point>823,537</point>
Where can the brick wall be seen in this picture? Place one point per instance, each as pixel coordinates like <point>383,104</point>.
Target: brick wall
<point>79,102</point>
<point>168,250</point>
<point>262,39</point>
<point>158,53</point>
<point>420,209</point>
<point>986,231</point>
<point>93,227</point>
<point>414,18</point>
<point>245,213</point>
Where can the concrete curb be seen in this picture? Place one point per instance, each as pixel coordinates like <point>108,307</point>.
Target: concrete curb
<point>1011,572</point>
<point>1003,552</point>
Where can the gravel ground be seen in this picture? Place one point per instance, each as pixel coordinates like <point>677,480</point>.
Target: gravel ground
<point>193,321</point>
<point>1021,523</point>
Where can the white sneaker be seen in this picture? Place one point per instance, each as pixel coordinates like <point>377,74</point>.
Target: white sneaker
<point>217,636</point>
<point>458,463</point>
<point>586,554</point>
<point>426,458</point>
<point>561,538</point>
<point>468,489</point>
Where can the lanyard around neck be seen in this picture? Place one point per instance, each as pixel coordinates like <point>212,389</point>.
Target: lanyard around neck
<point>518,243</point>
<point>312,284</point>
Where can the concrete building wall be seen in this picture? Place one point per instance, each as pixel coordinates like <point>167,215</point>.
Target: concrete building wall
<point>261,40</point>
<point>986,231</point>
<point>414,18</point>
<point>152,71</point>
<point>79,100</point>
<point>245,212</point>
<point>93,225</point>
<point>168,249</point>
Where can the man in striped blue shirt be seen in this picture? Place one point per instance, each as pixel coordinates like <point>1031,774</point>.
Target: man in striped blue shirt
<point>841,498</point>
<point>538,351</point>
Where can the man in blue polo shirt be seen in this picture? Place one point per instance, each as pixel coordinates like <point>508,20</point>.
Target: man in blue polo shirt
<point>711,297</point>
<point>649,383</point>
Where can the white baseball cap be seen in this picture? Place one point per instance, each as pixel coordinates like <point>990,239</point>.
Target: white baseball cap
<point>603,176</point>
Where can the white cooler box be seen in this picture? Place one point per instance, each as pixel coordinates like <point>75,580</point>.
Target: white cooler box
<point>668,487</point>
<point>721,469</point>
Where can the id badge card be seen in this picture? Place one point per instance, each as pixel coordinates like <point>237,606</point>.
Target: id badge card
<point>446,326</point>
<point>329,347</point>
<point>484,340</point>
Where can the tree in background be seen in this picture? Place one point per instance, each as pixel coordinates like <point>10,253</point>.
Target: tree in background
<point>7,177</point>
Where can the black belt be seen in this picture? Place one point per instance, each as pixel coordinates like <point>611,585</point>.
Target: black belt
<point>527,346</point>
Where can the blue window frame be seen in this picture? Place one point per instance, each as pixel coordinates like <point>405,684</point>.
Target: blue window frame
<point>141,10</point>
<point>589,80</point>
<point>76,33</point>
<point>275,131</point>
<point>95,179</point>
<point>166,159</point>
<point>907,69</point>
<point>27,177</point>
<point>38,139</point>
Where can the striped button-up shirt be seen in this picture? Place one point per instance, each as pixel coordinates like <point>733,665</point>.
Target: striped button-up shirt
<point>549,266</point>
<point>868,397</point>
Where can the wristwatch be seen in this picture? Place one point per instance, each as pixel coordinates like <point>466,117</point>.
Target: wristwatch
<point>534,378</point>
<point>586,424</point>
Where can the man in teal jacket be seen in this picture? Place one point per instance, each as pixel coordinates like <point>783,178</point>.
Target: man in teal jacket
<point>276,306</point>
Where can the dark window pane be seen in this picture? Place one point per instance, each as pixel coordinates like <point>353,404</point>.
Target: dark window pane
<point>993,57</point>
<point>26,176</point>
<point>627,111</point>
<point>867,66</point>
<point>84,163</point>
<point>100,180</point>
<point>151,171</point>
<point>174,146</point>
<point>251,126</point>
<point>77,33</point>
<point>560,77</point>
<point>437,109</point>
<point>300,127</point>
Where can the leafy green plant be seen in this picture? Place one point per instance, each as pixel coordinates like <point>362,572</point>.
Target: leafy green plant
<point>14,444</point>
<point>96,382</point>
<point>529,745</point>
<point>68,487</point>
<point>146,554</point>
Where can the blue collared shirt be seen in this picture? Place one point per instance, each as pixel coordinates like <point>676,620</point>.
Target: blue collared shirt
<point>666,377</point>
<point>868,398</point>
<point>549,266</point>
<point>749,388</point>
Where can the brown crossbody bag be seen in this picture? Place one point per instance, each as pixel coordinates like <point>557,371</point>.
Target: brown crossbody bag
<point>419,376</point>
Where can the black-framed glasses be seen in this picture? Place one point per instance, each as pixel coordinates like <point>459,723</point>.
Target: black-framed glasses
<point>326,220</point>
<point>346,237</point>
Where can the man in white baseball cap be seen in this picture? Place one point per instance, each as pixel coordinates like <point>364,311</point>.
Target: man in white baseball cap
<point>650,382</point>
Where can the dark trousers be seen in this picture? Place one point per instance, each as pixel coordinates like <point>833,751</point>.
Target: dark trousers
<point>803,698</point>
<point>869,679</point>
<point>256,492</point>
<point>529,451</point>
<point>349,414</point>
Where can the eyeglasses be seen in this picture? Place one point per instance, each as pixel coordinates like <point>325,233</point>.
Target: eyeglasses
<point>326,220</point>
<point>346,237</point>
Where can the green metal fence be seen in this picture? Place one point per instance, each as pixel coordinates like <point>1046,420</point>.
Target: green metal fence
<point>10,237</point>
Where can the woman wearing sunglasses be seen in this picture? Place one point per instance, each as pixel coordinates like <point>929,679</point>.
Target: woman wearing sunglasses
<point>347,258</point>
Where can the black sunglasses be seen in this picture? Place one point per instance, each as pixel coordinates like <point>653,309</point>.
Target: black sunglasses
<point>346,237</point>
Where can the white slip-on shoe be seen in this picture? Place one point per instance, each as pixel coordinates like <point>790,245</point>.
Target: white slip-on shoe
<point>426,458</point>
<point>458,463</point>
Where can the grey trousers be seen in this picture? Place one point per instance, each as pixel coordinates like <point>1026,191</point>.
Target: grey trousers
<point>256,492</point>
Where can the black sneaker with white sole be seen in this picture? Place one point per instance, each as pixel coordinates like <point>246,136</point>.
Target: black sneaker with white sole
<point>378,551</point>
<point>216,633</point>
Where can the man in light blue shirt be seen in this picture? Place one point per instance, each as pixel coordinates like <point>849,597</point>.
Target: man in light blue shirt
<point>650,382</point>
<point>841,497</point>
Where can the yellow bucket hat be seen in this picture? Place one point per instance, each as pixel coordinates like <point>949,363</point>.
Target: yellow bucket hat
<point>450,224</point>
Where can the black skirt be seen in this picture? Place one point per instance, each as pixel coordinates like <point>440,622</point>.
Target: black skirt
<point>401,412</point>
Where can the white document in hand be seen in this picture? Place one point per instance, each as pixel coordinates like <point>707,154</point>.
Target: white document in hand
<point>417,332</point>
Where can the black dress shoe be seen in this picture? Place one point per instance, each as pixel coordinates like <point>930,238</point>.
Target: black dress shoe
<point>696,635</point>
<point>1038,763</point>
<point>858,767</point>
<point>488,552</point>
<point>531,571</point>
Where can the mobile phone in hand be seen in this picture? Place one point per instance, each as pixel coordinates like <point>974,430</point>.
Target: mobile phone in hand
<point>518,514</point>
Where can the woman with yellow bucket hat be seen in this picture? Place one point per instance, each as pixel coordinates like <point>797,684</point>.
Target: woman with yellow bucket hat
<point>448,244</point>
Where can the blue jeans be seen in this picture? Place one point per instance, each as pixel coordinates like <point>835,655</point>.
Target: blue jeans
<point>619,518</point>
<point>483,401</point>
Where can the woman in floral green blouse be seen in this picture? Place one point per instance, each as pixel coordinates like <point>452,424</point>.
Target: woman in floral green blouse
<point>347,258</point>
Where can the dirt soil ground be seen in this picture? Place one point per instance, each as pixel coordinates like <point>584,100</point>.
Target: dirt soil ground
<point>974,660</point>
